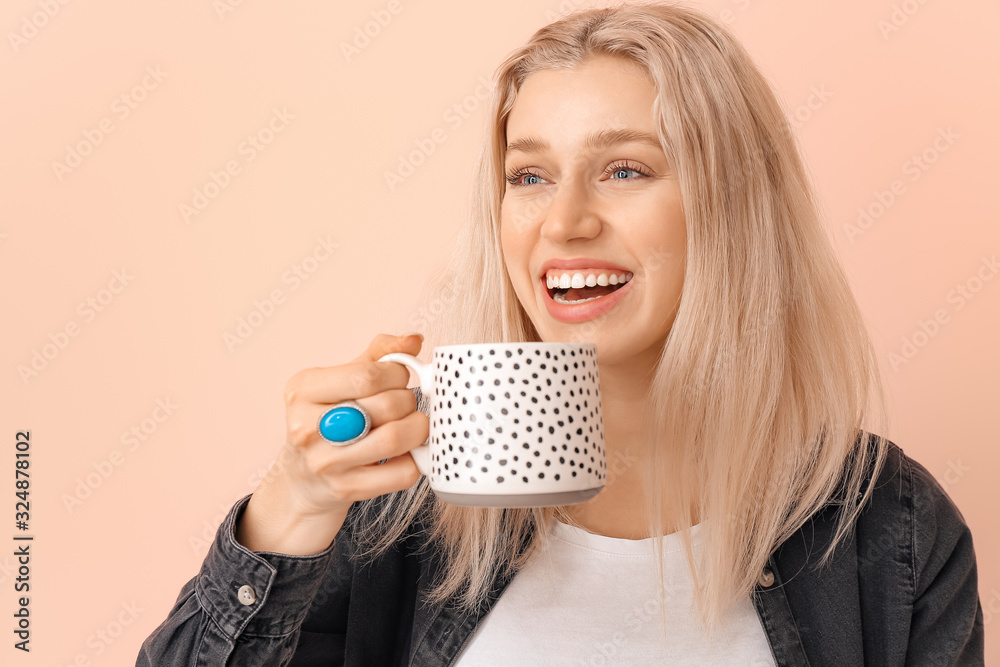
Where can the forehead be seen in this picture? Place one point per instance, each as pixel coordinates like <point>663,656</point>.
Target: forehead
<point>599,93</point>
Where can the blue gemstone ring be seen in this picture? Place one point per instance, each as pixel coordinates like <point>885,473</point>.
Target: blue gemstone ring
<point>344,424</point>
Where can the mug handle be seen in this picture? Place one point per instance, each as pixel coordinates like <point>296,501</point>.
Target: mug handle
<point>421,453</point>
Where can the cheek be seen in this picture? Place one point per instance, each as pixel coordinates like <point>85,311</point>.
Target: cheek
<point>519,220</point>
<point>515,258</point>
<point>515,249</point>
<point>664,246</point>
<point>665,241</point>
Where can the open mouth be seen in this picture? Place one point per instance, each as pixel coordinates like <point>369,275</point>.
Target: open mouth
<point>573,287</point>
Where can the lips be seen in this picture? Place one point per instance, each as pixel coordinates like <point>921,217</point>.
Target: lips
<point>581,263</point>
<point>580,289</point>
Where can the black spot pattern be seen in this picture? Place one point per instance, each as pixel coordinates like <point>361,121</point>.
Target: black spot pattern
<point>564,417</point>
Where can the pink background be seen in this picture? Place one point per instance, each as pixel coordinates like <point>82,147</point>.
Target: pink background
<point>111,563</point>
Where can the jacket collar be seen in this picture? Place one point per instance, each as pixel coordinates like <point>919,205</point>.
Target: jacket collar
<point>441,631</point>
<point>795,606</point>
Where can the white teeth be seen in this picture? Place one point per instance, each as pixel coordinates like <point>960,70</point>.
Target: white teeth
<point>558,298</point>
<point>578,279</point>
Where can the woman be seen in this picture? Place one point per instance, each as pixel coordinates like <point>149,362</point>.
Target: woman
<point>735,371</point>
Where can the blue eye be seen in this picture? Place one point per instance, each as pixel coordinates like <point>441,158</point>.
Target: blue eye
<point>619,171</point>
<point>515,178</point>
<point>615,170</point>
<point>624,166</point>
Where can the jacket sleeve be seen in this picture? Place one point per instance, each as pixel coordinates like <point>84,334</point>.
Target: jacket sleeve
<point>947,623</point>
<point>243,607</point>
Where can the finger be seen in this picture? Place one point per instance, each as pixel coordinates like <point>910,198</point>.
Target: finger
<point>365,376</point>
<point>385,442</point>
<point>396,474</point>
<point>334,384</point>
<point>387,406</point>
<point>384,344</point>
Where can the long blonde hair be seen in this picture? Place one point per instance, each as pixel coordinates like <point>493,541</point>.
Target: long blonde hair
<point>768,371</point>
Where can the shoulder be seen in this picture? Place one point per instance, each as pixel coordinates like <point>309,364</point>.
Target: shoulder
<point>903,483</point>
<point>912,539</point>
<point>906,566</point>
<point>910,488</point>
<point>911,509</point>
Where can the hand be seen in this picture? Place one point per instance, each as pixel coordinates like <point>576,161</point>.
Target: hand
<point>302,502</point>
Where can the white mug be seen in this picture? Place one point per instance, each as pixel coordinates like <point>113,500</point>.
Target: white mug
<point>512,424</point>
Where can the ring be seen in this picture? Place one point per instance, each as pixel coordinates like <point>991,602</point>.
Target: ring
<point>344,424</point>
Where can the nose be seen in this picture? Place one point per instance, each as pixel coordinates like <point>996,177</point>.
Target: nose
<point>570,214</point>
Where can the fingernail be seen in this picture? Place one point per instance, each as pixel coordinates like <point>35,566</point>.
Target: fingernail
<point>413,333</point>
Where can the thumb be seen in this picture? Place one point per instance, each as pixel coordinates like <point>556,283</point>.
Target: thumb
<point>384,344</point>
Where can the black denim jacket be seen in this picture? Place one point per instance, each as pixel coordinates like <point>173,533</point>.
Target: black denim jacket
<point>901,590</point>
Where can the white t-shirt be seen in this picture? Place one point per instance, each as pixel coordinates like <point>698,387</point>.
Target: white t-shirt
<point>591,600</point>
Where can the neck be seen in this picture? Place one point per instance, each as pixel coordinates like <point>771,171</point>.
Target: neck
<point>619,510</point>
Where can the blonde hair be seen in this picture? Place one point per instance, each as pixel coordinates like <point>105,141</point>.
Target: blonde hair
<point>768,371</point>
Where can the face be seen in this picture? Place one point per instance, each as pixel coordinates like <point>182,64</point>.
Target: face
<point>577,215</point>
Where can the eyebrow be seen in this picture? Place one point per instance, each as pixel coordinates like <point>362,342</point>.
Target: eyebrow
<point>593,141</point>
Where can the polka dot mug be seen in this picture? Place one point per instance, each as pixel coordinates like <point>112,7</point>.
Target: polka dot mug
<point>512,424</point>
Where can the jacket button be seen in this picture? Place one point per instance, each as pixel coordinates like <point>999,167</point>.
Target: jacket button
<point>766,577</point>
<point>247,595</point>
